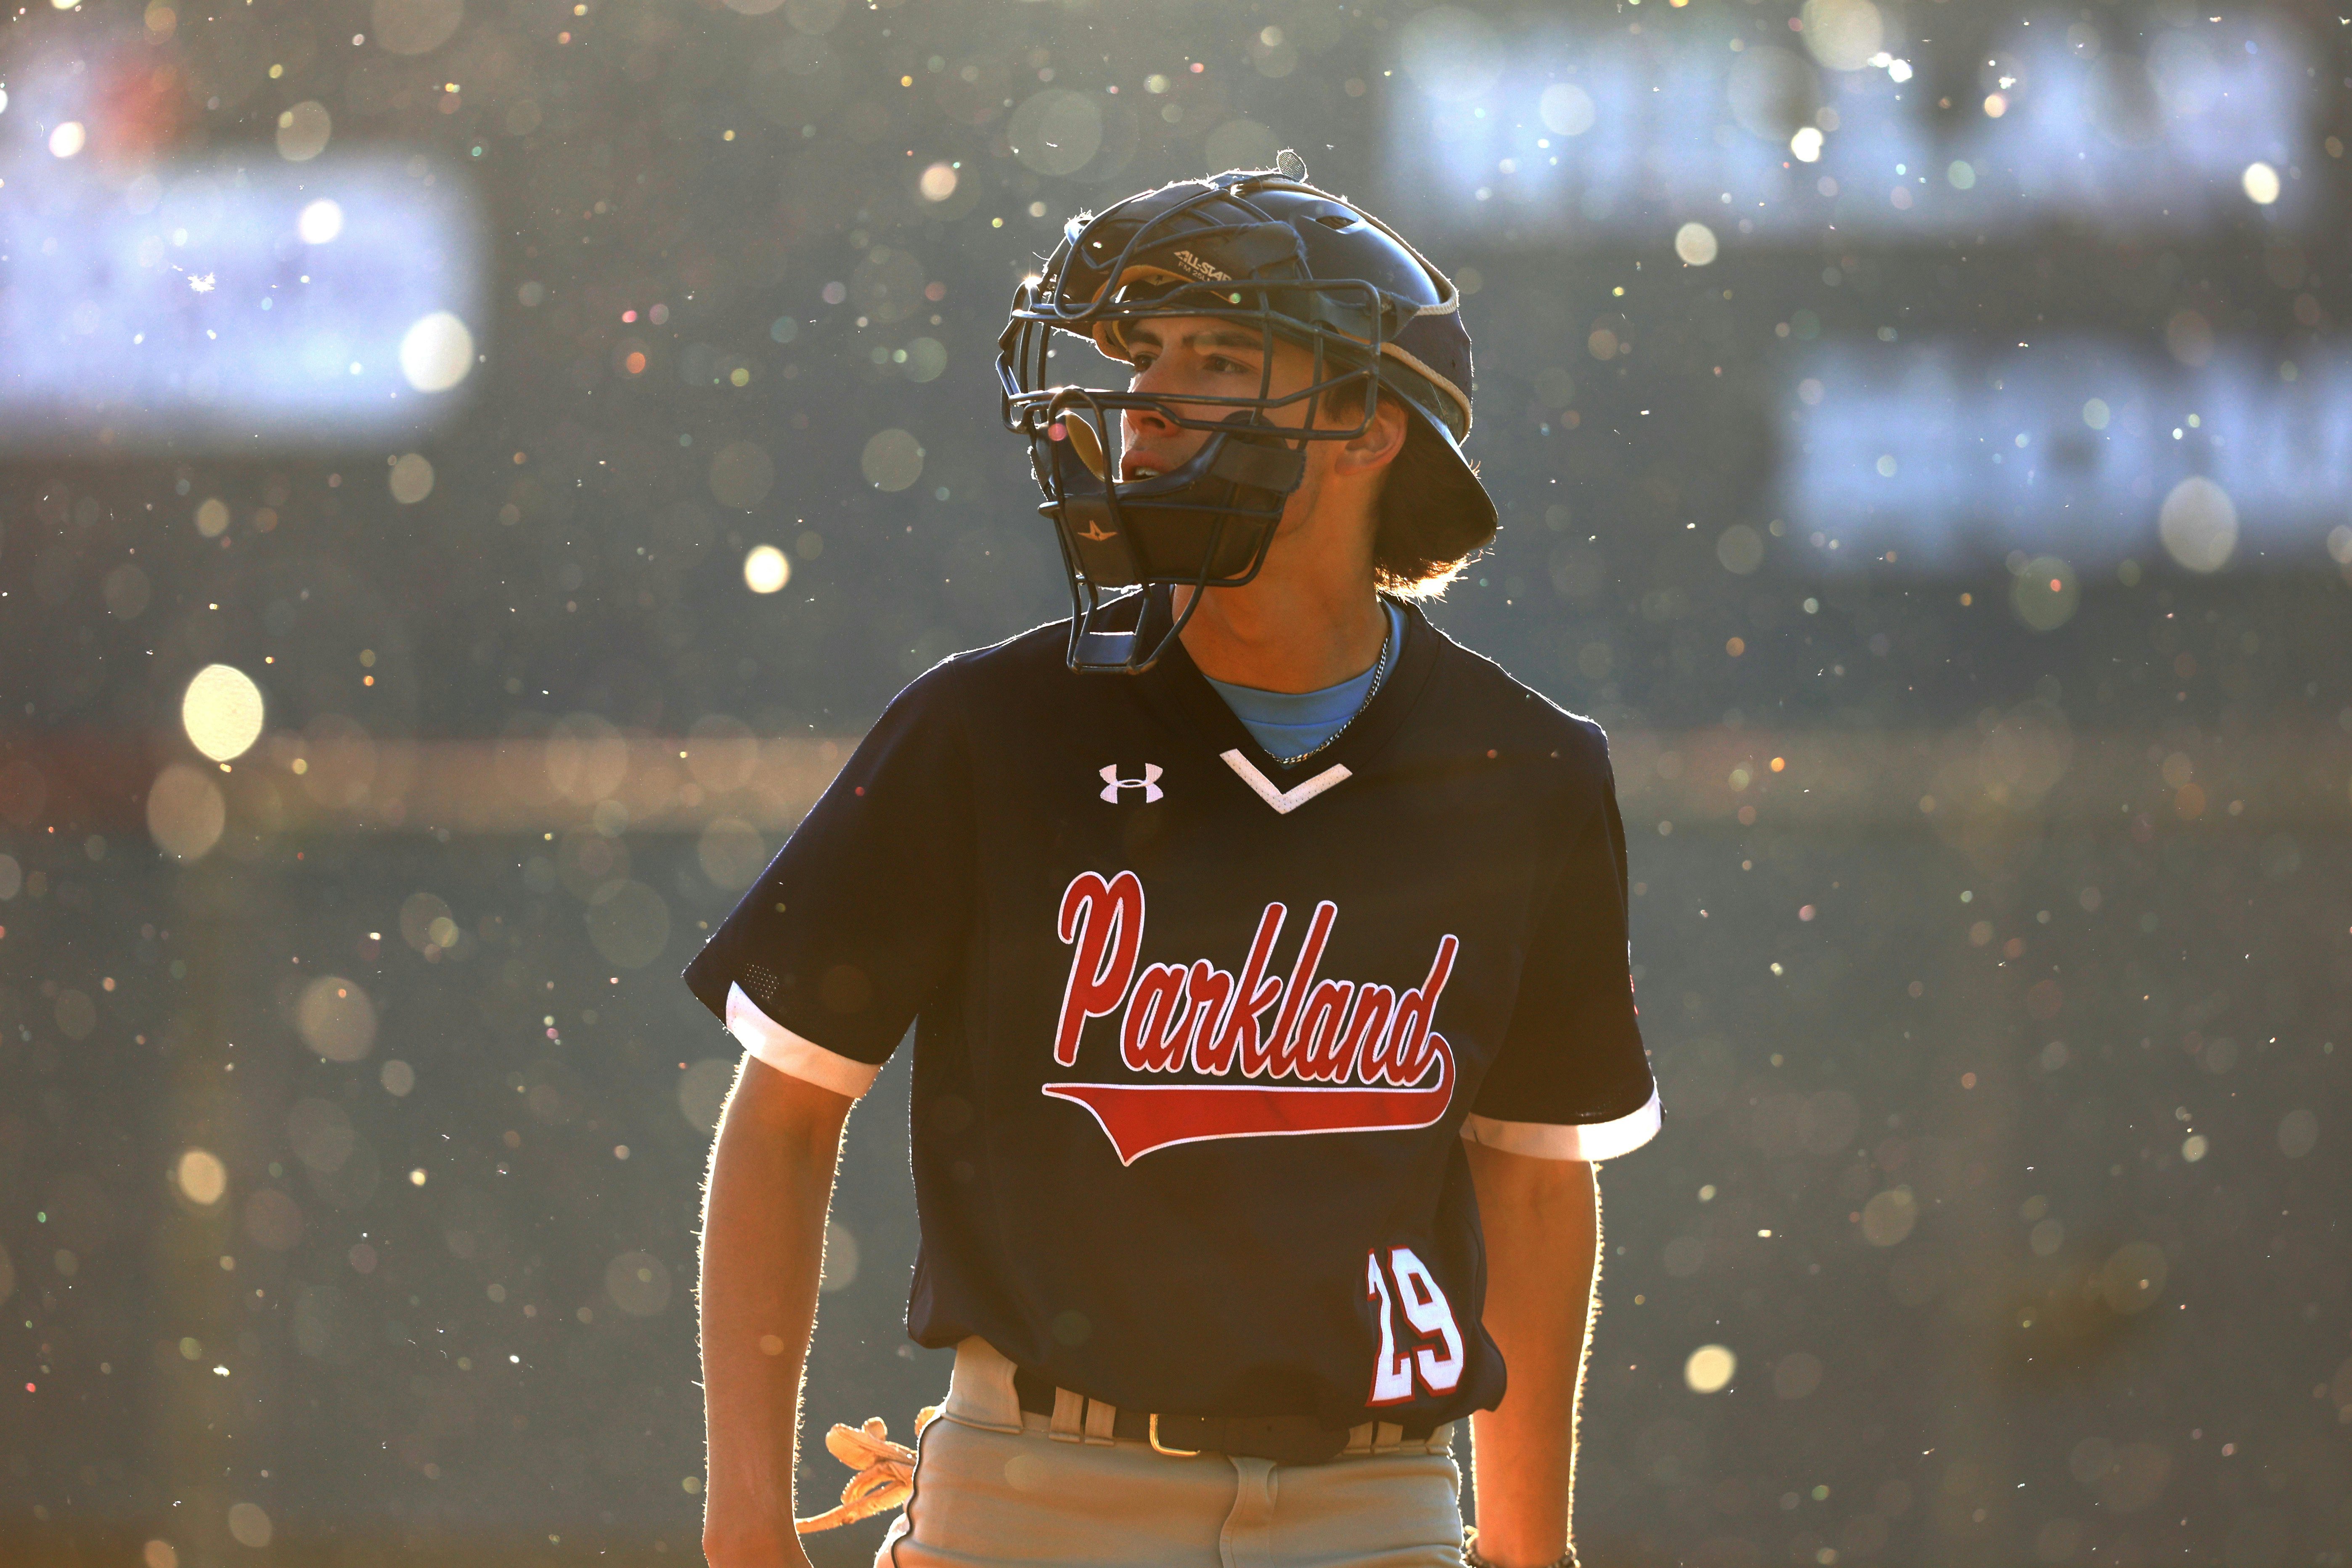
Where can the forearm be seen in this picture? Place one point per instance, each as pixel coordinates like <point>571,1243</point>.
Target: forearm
<point>771,1171</point>
<point>1542,1223</point>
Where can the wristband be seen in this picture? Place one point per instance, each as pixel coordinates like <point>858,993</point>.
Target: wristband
<point>1470,1558</point>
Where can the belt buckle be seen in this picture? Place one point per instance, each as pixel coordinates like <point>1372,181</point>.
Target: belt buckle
<point>1159,1448</point>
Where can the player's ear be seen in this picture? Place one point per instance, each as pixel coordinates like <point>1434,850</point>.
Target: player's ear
<point>1379,445</point>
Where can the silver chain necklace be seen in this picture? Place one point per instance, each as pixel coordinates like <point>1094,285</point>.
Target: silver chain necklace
<point>1379,679</point>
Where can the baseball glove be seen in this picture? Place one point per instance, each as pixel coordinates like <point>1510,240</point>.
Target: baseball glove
<point>886,1471</point>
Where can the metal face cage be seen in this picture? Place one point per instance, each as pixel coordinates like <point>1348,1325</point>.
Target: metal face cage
<point>1126,545</point>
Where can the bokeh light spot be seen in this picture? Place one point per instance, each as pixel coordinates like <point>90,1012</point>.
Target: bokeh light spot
<point>1889,1216</point>
<point>1696,244</point>
<point>68,139</point>
<point>1239,144</point>
<point>1055,131</point>
<point>1709,1368</point>
<point>638,1283</point>
<point>411,478</point>
<point>185,811</point>
<point>732,852</point>
<point>303,131</point>
<point>1450,54</point>
<point>437,352</point>
<point>702,1091</point>
<point>1843,34</point>
<point>249,1524</point>
<point>2133,1277</point>
<point>319,222</point>
<point>1566,110</point>
<point>628,923</point>
<point>201,1178</point>
<point>766,569</point>
<point>927,358</point>
<point>336,1018</point>
<point>222,711</point>
<point>2198,524</point>
<point>415,26</point>
<point>2046,593</point>
<point>1740,548</point>
<point>841,1259</point>
<point>892,460</point>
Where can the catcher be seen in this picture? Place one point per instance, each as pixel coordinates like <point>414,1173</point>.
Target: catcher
<point>1266,957</point>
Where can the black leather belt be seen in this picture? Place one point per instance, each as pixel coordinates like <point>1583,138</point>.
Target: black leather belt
<point>1284,1439</point>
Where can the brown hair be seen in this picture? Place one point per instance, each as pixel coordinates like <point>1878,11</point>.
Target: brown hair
<point>1425,536</point>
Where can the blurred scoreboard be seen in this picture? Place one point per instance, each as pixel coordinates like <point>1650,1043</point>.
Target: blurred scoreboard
<point>251,299</point>
<point>1558,132</point>
<point>2023,142</point>
<point>233,307</point>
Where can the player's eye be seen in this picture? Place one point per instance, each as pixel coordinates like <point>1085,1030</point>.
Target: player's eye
<point>1218,364</point>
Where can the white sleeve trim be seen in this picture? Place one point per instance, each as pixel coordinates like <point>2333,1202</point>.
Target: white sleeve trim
<point>787,1053</point>
<point>1590,1141</point>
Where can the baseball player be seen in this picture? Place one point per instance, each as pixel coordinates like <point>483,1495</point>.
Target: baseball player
<point>1265,952</point>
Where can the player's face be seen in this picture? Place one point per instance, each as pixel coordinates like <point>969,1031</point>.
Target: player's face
<point>1184,357</point>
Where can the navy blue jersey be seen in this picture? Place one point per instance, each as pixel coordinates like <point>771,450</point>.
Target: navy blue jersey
<point>1199,1037</point>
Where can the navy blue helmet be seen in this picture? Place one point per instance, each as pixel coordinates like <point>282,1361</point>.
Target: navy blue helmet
<point>1265,250</point>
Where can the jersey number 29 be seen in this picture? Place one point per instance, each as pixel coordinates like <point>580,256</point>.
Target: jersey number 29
<point>1435,1350</point>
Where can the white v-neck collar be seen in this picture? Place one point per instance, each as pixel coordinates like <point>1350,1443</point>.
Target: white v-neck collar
<point>1284,801</point>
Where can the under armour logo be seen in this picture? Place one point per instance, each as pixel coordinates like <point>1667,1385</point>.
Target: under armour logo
<point>1148,784</point>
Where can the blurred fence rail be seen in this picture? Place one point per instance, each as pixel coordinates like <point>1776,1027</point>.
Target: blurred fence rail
<point>2028,765</point>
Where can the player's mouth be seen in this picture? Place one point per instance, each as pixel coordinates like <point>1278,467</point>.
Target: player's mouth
<point>1135,467</point>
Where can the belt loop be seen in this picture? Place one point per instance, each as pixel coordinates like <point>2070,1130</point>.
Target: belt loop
<point>980,1391</point>
<point>1360,1438</point>
<point>1068,1425</point>
<point>1100,1420</point>
<point>1386,1437</point>
<point>1441,1438</point>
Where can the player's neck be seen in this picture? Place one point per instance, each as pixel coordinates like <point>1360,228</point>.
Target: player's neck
<point>1309,618</point>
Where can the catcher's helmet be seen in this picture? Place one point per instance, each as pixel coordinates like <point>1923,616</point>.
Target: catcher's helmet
<point>1267,251</point>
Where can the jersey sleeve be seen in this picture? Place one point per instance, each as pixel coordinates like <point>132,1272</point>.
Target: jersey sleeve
<point>1572,1081</point>
<point>862,914</point>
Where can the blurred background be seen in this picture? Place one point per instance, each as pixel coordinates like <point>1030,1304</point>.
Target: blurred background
<point>469,470</point>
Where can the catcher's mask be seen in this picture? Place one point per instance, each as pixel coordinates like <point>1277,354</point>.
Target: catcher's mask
<point>1270,254</point>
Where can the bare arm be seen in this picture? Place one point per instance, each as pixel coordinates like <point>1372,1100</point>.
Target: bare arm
<point>1542,1223</point>
<point>771,1170</point>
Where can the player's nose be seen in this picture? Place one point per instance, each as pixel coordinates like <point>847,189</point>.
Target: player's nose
<point>1146,421</point>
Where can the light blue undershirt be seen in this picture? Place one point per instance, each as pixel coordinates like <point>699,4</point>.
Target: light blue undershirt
<point>1290,723</point>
